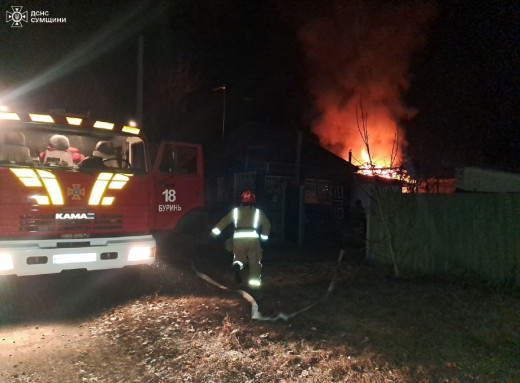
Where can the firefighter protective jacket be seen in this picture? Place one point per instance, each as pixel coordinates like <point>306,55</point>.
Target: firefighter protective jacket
<point>247,221</point>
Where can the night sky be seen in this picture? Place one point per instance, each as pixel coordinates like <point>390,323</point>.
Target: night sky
<point>461,77</point>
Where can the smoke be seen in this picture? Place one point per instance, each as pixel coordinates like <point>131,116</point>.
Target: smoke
<point>358,60</point>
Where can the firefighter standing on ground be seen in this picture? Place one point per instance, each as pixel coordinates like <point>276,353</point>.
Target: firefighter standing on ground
<point>247,220</point>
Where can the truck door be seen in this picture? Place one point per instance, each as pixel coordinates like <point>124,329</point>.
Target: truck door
<point>179,183</point>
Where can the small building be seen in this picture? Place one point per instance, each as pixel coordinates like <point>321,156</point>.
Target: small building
<point>305,189</point>
<point>473,179</point>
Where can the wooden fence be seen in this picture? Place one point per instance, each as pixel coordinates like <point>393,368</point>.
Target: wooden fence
<point>468,234</point>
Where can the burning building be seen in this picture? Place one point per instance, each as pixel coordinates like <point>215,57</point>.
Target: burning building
<point>358,60</point>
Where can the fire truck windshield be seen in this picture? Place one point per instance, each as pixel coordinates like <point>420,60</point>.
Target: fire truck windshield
<point>67,148</point>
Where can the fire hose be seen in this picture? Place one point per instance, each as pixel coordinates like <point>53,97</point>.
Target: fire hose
<point>255,312</point>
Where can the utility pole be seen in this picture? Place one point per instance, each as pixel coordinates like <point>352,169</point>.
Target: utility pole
<point>224,112</point>
<point>298,157</point>
<point>301,188</point>
<point>139,95</point>
<point>223,89</point>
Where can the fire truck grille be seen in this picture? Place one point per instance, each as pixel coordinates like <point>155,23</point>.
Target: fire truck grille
<point>47,223</point>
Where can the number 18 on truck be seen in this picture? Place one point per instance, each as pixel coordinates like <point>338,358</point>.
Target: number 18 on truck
<point>79,193</point>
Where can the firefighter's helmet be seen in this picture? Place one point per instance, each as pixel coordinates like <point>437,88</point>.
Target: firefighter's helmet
<point>14,138</point>
<point>59,142</point>
<point>103,147</point>
<point>248,197</point>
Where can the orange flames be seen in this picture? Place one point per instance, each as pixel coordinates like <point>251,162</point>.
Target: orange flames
<point>338,131</point>
<point>376,168</point>
<point>358,57</point>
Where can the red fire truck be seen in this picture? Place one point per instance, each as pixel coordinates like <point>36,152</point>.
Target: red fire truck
<point>77,193</point>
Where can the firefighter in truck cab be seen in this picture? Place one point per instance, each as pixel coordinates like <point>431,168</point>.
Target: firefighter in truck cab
<point>250,226</point>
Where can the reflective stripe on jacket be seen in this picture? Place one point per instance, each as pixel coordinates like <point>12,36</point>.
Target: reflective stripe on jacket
<point>247,221</point>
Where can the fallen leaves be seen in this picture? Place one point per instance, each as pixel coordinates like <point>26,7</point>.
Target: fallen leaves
<point>196,333</point>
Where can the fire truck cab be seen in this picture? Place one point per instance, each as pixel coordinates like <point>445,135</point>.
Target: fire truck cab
<point>77,193</point>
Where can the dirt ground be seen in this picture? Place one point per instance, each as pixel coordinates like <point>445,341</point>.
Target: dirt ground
<point>169,325</point>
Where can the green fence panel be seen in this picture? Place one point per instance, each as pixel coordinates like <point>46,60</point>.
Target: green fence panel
<point>456,234</point>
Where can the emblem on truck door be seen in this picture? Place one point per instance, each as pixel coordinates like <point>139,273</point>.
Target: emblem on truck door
<point>76,191</point>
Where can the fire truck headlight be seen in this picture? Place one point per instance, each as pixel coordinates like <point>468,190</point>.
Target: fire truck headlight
<point>141,253</point>
<point>6,262</point>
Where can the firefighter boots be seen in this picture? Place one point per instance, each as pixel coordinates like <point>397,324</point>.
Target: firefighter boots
<point>236,270</point>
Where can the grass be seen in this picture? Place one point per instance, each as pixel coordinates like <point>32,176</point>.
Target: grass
<point>371,328</point>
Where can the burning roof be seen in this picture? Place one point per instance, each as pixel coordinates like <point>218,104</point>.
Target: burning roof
<point>358,61</point>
